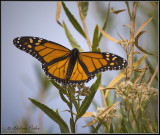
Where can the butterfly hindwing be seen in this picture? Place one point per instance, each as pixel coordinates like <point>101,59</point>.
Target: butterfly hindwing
<point>95,62</point>
<point>79,75</point>
<point>57,70</point>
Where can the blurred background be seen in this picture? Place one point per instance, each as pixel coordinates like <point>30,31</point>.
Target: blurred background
<point>22,76</point>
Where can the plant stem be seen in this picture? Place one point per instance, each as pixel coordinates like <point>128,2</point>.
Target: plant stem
<point>103,97</point>
<point>70,107</point>
<point>132,29</point>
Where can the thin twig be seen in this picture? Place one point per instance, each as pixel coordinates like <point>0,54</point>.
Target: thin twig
<point>103,98</point>
<point>141,74</point>
<point>84,26</point>
<point>71,107</point>
<point>152,78</point>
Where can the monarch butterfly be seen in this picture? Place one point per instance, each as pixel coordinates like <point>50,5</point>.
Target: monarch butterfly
<point>68,66</point>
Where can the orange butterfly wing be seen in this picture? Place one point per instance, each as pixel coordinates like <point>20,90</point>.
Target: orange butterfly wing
<point>54,57</point>
<point>95,62</point>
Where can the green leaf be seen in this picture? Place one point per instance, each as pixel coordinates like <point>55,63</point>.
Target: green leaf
<point>88,99</point>
<point>99,124</point>
<point>73,21</point>
<point>134,116</point>
<point>76,105</point>
<point>61,92</point>
<point>59,87</point>
<point>92,128</point>
<point>72,41</point>
<point>95,41</point>
<point>84,7</point>
<point>111,129</point>
<point>65,100</point>
<point>53,115</point>
<point>125,118</point>
<point>123,127</point>
<point>105,22</point>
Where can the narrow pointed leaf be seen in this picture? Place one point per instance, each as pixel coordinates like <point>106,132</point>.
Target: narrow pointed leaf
<point>95,41</point>
<point>111,129</point>
<point>88,99</point>
<point>84,7</point>
<point>138,62</point>
<point>143,26</point>
<point>59,5</point>
<point>73,20</point>
<point>136,43</point>
<point>65,100</point>
<point>113,82</point>
<point>127,25</point>
<point>72,41</point>
<point>91,123</point>
<point>117,11</point>
<point>76,105</point>
<point>125,118</point>
<point>92,128</point>
<point>61,92</point>
<point>108,36</point>
<point>52,114</point>
<point>123,127</point>
<point>99,125</point>
<point>101,115</point>
<point>86,115</point>
<point>58,87</point>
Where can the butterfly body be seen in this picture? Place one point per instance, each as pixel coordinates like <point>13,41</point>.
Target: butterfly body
<point>73,58</point>
<point>68,66</point>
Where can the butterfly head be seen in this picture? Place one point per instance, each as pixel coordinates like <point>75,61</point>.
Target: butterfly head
<point>75,52</point>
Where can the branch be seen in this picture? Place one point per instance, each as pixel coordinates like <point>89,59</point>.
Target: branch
<point>132,29</point>
<point>152,78</point>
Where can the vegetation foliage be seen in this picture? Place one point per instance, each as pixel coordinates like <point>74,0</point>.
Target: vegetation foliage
<point>138,96</point>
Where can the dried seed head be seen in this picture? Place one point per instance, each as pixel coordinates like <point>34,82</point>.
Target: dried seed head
<point>135,92</point>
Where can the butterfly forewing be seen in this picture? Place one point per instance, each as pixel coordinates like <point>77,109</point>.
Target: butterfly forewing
<point>44,50</point>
